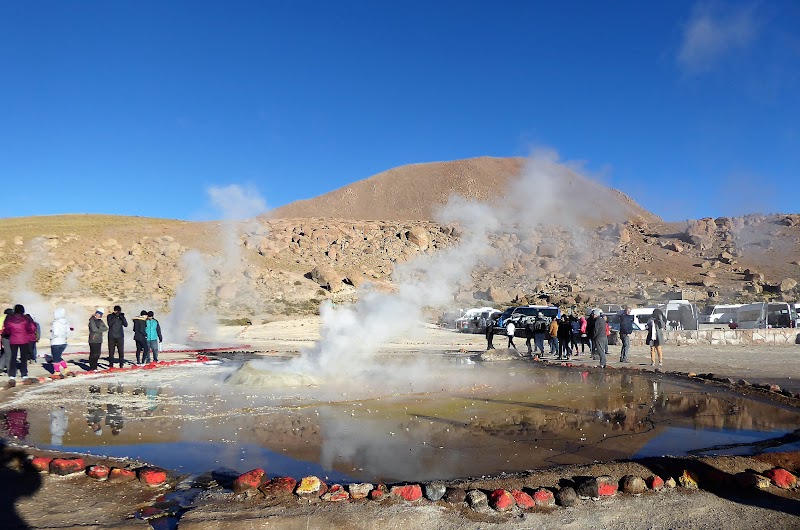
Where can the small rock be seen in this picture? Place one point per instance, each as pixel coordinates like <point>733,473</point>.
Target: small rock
<point>455,495</point>
<point>117,474</point>
<point>566,497</point>
<point>669,483</point>
<point>655,482</point>
<point>787,285</point>
<point>66,466</point>
<point>434,491</point>
<point>278,486</point>
<point>744,382</point>
<point>359,491</point>
<point>152,476</point>
<point>41,463</point>
<point>477,500</point>
<point>336,493</point>
<point>688,480</point>
<point>544,497</point>
<point>408,492</point>
<point>774,388</point>
<point>752,480</point>
<point>379,492</point>
<point>250,480</point>
<point>308,486</point>
<point>523,500</point>
<point>97,472</point>
<point>633,485</point>
<point>606,486</point>
<point>501,500</point>
<point>781,478</point>
<point>588,489</point>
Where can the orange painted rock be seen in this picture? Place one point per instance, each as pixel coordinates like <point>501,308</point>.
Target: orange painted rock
<point>117,474</point>
<point>250,480</point>
<point>655,482</point>
<point>781,478</point>
<point>544,497</point>
<point>41,463</point>
<point>379,492</point>
<point>97,472</point>
<point>152,476</point>
<point>606,486</point>
<point>336,493</point>
<point>522,499</point>
<point>67,466</point>
<point>409,492</point>
<point>278,486</point>
<point>501,500</point>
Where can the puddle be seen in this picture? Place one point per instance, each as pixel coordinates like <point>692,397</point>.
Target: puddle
<point>456,420</point>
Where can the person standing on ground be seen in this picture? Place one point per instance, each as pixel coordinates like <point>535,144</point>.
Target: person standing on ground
<point>590,320</point>
<point>582,325</point>
<point>489,333</point>
<point>96,329</point>
<point>59,331</point>
<point>625,330</point>
<point>564,332</point>
<point>140,337</point>
<point>552,334</point>
<point>5,352</point>
<point>153,334</point>
<point>19,330</point>
<point>599,337</point>
<point>655,336</point>
<point>510,330</point>
<point>33,338</point>
<point>116,335</point>
<point>539,330</point>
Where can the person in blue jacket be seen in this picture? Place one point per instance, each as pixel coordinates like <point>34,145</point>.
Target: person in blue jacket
<point>153,332</point>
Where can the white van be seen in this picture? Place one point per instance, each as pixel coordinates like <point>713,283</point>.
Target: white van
<point>722,314</point>
<point>680,314</point>
<point>642,314</point>
<point>764,315</point>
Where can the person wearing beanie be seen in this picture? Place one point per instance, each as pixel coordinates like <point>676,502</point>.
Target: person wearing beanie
<point>140,337</point>
<point>96,329</point>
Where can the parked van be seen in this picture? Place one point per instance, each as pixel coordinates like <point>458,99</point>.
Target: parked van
<point>642,314</point>
<point>680,314</point>
<point>722,314</point>
<point>764,315</point>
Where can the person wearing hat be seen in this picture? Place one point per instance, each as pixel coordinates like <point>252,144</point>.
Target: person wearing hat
<point>96,329</point>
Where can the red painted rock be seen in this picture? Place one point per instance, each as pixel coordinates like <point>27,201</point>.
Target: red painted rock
<point>501,500</point>
<point>41,463</point>
<point>336,493</point>
<point>279,486</point>
<point>97,472</point>
<point>152,476</point>
<point>606,486</point>
<point>66,466</point>
<point>655,482</point>
<point>118,474</point>
<point>544,497</point>
<point>250,480</point>
<point>781,478</point>
<point>522,499</point>
<point>379,492</point>
<point>409,492</point>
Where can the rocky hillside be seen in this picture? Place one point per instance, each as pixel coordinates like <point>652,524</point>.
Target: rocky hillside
<point>283,266</point>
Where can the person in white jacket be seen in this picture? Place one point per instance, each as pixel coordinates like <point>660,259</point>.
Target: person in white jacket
<point>59,331</point>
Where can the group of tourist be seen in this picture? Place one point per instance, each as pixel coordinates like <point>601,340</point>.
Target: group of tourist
<point>567,334</point>
<point>20,332</point>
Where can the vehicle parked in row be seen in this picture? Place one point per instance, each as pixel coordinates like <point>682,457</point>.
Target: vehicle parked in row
<point>641,315</point>
<point>680,314</point>
<point>470,321</point>
<point>721,315</point>
<point>614,320</point>
<point>521,316</point>
<point>766,315</point>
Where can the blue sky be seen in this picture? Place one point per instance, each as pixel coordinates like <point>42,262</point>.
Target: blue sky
<point>139,107</point>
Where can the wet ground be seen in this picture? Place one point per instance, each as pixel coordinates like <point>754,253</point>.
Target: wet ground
<point>457,419</point>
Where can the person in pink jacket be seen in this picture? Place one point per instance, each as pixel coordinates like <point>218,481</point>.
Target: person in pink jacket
<point>19,330</point>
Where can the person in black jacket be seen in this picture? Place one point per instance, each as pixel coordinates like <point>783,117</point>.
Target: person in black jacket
<point>140,337</point>
<point>116,335</point>
<point>490,323</point>
<point>625,330</point>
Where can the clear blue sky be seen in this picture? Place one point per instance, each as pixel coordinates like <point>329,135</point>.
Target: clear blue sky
<point>138,107</point>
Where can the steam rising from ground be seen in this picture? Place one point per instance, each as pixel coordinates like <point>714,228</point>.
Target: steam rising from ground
<point>353,334</point>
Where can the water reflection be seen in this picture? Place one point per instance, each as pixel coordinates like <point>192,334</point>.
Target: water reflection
<point>496,419</point>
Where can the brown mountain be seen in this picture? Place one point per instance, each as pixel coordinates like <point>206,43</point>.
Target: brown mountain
<point>415,191</point>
